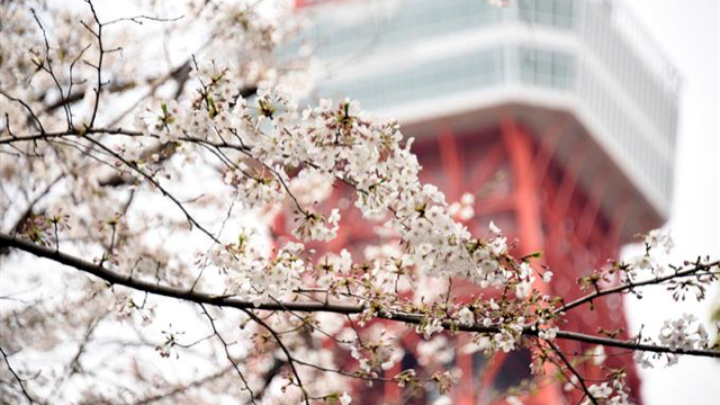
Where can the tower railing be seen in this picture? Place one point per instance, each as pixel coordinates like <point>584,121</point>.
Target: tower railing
<point>444,57</point>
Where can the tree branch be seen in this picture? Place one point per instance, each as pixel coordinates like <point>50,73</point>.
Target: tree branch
<point>283,347</point>
<point>17,377</point>
<point>697,267</point>
<point>392,315</point>
<point>572,369</point>
<point>228,356</point>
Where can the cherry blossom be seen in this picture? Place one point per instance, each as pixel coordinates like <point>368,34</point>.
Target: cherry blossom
<point>139,219</point>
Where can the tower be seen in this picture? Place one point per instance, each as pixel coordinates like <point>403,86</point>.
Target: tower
<point>558,115</point>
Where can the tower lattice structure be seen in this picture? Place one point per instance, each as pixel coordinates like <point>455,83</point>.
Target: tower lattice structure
<point>559,116</point>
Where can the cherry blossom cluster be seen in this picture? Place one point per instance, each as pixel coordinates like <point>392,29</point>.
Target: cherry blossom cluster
<point>609,393</point>
<point>331,144</point>
<point>159,183</point>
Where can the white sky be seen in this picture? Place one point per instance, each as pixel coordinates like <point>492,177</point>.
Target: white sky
<point>688,32</point>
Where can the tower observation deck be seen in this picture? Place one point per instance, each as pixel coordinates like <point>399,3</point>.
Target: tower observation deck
<point>559,115</point>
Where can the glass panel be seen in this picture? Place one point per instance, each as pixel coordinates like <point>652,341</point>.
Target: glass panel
<point>439,77</point>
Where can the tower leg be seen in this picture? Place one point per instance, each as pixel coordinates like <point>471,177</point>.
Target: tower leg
<point>528,225</point>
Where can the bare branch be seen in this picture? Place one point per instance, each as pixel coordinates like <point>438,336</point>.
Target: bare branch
<point>141,18</point>
<point>227,353</point>
<point>278,339</point>
<point>572,369</point>
<point>17,378</point>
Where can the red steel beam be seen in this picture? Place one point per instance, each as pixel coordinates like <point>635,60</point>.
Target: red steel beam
<point>570,179</point>
<point>525,191</point>
<point>527,208</point>
<point>451,162</point>
<point>488,166</point>
<point>589,216</point>
<point>547,147</point>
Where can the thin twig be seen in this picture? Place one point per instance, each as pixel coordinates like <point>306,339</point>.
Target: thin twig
<point>227,354</point>
<point>17,377</point>
<point>697,267</point>
<point>285,350</point>
<point>572,369</point>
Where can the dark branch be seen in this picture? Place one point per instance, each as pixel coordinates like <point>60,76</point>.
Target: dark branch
<point>572,369</point>
<point>696,268</point>
<point>17,377</point>
<point>230,302</point>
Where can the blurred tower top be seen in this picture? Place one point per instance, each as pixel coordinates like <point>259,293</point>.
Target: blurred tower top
<point>463,63</point>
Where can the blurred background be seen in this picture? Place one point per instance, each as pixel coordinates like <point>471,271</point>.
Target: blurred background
<point>691,37</point>
<point>576,125</point>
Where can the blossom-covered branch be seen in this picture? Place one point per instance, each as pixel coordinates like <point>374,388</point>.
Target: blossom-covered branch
<point>165,181</point>
<point>450,323</point>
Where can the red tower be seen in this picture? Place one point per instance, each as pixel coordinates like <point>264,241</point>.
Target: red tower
<point>554,114</point>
